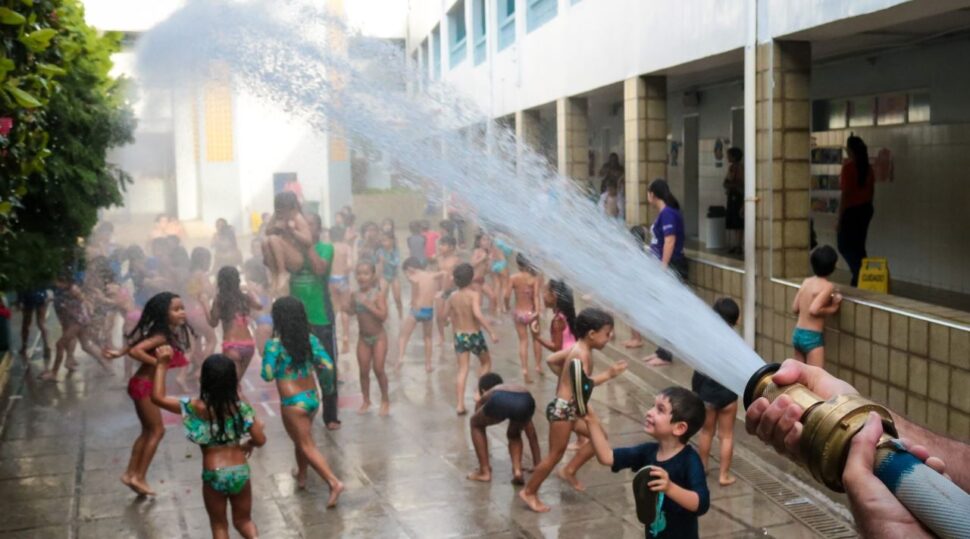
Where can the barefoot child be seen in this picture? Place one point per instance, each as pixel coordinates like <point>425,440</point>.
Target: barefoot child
<point>447,261</point>
<point>481,262</point>
<point>218,421</point>
<point>33,306</point>
<point>464,309</point>
<point>72,315</point>
<point>287,240</point>
<point>595,329</point>
<point>389,261</point>
<point>162,324</point>
<point>231,308</point>
<point>198,291</point>
<point>370,307</point>
<point>669,484</point>
<point>424,285</point>
<point>498,402</point>
<point>290,358</point>
<point>340,283</point>
<point>816,299</point>
<point>557,296</point>
<point>721,406</point>
<point>525,284</point>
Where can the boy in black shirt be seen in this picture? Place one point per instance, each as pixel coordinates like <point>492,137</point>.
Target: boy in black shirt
<point>676,475</point>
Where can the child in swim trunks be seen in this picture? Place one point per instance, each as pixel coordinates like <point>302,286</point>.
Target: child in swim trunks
<point>424,286</point>
<point>370,307</point>
<point>595,329</point>
<point>816,299</point>
<point>290,358</point>
<point>231,308</point>
<point>226,429</point>
<point>525,283</point>
<point>500,402</point>
<point>447,262</point>
<point>464,310</point>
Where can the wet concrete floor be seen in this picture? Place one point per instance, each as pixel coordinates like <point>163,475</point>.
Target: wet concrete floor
<point>64,446</point>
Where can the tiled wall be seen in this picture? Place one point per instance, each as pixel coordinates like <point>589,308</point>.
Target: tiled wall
<point>915,367</point>
<point>921,216</point>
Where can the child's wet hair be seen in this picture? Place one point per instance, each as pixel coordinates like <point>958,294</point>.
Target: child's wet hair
<point>463,274</point>
<point>523,263</point>
<point>286,201</point>
<point>291,326</point>
<point>687,407</point>
<point>367,264</point>
<point>488,381</point>
<point>414,227</point>
<point>729,310</point>
<point>639,233</point>
<point>448,240</point>
<point>219,390</point>
<point>154,321</point>
<point>592,319</point>
<point>564,302</point>
<point>823,260</point>
<point>412,263</point>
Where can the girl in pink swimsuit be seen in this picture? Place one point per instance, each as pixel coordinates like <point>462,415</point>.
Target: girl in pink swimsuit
<point>162,323</point>
<point>525,283</point>
<point>558,297</point>
<point>231,307</point>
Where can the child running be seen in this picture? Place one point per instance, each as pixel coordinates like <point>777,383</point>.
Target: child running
<point>816,299</point>
<point>464,309</point>
<point>525,284</point>
<point>72,315</point>
<point>198,291</point>
<point>669,485</point>
<point>162,323</point>
<point>227,430</point>
<point>389,260</point>
<point>257,284</point>
<point>231,308</point>
<point>499,402</point>
<point>559,297</point>
<point>33,307</point>
<point>370,307</point>
<point>721,406</point>
<point>424,286</point>
<point>290,358</point>
<point>447,262</point>
<point>595,329</point>
<point>340,283</point>
<point>287,240</point>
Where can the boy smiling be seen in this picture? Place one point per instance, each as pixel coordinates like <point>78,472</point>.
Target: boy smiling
<point>675,493</point>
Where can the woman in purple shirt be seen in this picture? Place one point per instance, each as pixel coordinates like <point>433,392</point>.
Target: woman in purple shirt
<point>667,244</point>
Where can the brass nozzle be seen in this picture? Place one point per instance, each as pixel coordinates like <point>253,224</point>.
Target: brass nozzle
<point>829,425</point>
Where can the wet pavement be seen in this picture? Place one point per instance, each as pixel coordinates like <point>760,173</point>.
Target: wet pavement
<point>64,446</point>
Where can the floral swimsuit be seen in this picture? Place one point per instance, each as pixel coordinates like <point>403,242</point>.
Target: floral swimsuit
<point>279,365</point>
<point>229,480</point>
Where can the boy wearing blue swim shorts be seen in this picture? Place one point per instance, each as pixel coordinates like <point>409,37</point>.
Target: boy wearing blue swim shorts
<point>816,299</point>
<point>424,286</point>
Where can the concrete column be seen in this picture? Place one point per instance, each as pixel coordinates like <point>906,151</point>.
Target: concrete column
<point>527,135</point>
<point>185,123</point>
<point>783,147</point>
<point>572,138</point>
<point>645,140</point>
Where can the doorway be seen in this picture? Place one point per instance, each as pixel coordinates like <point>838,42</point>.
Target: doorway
<point>691,176</point>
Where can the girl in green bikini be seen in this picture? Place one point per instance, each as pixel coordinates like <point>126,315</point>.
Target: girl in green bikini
<point>290,358</point>
<point>369,304</point>
<point>219,422</point>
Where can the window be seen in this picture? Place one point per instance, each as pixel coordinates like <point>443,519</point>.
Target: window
<point>479,31</point>
<point>540,12</point>
<point>457,34</point>
<point>883,109</point>
<point>506,22</point>
<point>436,53</point>
<point>919,107</point>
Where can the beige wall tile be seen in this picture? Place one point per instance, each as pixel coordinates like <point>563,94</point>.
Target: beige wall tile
<point>863,356</point>
<point>898,368</point>
<point>960,389</point>
<point>847,317</point>
<point>959,425</point>
<point>918,337</point>
<point>878,391</point>
<point>899,331</point>
<point>897,399</point>
<point>880,326</point>
<point>939,342</point>
<point>880,362</point>
<point>916,408</point>
<point>939,382</point>
<point>863,321</point>
<point>918,374</point>
<point>936,416</point>
<point>960,348</point>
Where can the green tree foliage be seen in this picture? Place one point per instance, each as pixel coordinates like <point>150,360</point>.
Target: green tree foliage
<point>63,112</point>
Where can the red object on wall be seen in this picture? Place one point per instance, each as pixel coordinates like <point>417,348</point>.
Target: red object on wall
<point>6,124</point>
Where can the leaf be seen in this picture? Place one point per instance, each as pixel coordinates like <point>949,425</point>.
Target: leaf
<point>11,17</point>
<point>5,207</point>
<point>27,2</point>
<point>22,98</point>
<point>47,69</point>
<point>39,40</point>
<point>6,66</point>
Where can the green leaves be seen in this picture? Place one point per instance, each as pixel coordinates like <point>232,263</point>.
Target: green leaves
<point>24,99</point>
<point>6,66</point>
<point>38,40</point>
<point>11,17</point>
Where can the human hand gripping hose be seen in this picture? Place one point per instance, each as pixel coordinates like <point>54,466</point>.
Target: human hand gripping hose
<point>828,428</point>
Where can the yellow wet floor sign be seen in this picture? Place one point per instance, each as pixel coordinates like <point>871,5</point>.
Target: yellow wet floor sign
<point>874,275</point>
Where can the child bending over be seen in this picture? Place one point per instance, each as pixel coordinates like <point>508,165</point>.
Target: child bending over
<point>500,402</point>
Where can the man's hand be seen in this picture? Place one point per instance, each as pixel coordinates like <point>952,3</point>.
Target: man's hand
<point>777,423</point>
<point>877,512</point>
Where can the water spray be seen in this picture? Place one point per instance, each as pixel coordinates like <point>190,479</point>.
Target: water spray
<point>829,426</point>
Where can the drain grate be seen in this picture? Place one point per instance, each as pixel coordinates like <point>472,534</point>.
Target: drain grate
<point>805,510</point>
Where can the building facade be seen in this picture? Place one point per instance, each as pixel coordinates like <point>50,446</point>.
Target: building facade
<point>661,84</point>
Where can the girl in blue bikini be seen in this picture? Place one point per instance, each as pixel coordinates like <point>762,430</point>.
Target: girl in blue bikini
<point>290,358</point>
<point>218,421</point>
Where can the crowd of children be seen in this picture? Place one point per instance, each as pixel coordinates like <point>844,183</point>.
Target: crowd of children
<point>174,311</point>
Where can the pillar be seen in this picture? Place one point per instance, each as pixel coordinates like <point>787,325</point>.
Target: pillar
<point>645,141</point>
<point>783,150</point>
<point>572,138</point>
<point>527,135</point>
